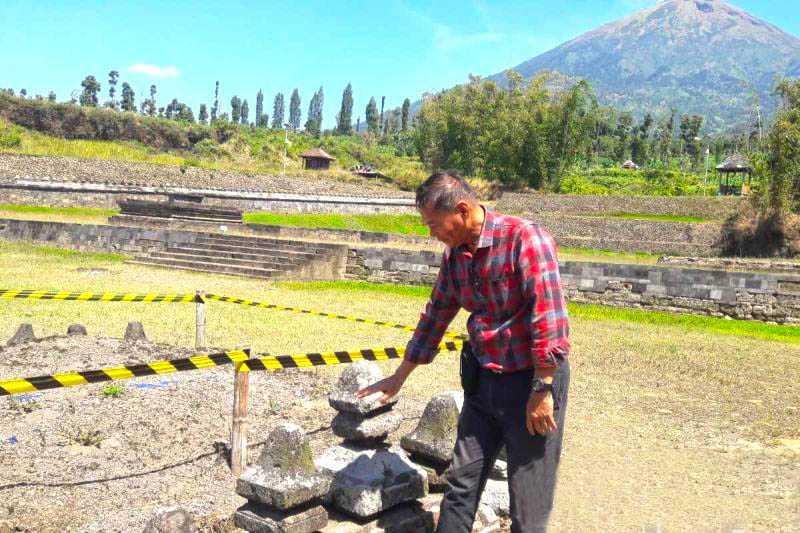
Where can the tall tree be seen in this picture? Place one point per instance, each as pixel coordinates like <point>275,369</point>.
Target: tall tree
<point>52,96</point>
<point>202,115</point>
<point>23,92</point>
<point>215,106</point>
<point>259,109</point>
<point>345,126</point>
<point>383,101</point>
<point>113,76</point>
<point>404,119</point>
<point>91,88</point>
<point>373,119</point>
<point>236,109</point>
<point>294,110</point>
<point>245,111</point>
<point>184,112</point>
<point>277,112</point>
<point>314,121</point>
<point>784,143</point>
<point>128,95</point>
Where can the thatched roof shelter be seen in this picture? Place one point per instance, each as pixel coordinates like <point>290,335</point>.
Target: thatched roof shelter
<point>735,164</point>
<point>317,159</point>
<point>734,175</point>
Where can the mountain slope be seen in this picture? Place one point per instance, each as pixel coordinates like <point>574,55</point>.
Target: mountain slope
<point>699,56</point>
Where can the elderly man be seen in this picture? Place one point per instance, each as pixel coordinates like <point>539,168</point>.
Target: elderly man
<point>515,372</point>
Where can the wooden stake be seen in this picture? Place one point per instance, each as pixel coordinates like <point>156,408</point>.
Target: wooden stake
<point>200,322</point>
<point>241,387</point>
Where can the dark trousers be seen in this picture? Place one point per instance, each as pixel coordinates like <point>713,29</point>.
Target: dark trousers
<point>492,417</point>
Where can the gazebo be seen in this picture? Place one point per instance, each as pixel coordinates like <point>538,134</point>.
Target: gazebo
<point>734,175</point>
<point>317,159</point>
<point>630,165</point>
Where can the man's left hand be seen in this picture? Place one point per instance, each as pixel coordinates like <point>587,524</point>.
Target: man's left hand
<point>539,413</point>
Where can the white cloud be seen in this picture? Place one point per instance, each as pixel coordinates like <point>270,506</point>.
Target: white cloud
<point>154,70</point>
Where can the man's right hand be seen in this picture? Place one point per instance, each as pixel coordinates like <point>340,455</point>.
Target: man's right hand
<point>389,386</point>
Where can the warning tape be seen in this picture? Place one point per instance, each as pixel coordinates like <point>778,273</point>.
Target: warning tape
<point>241,358</point>
<point>73,379</point>
<point>306,360</point>
<point>262,305</point>
<point>7,294</point>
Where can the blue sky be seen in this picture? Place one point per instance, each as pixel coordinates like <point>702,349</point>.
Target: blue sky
<point>396,48</point>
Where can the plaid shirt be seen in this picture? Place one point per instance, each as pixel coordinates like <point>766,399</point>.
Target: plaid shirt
<point>512,287</point>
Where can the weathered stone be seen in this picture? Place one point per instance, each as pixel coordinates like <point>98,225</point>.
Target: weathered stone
<point>496,497</point>
<point>76,329</point>
<point>405,518</point>
<point>354,378</point>
<point>352,426</point>
<point>257,518</point>
<point>135,332</point>
<point>486,521</point>
<point>367,482</point>
<point>284,475</point>
<point>24,334</point>
<point>435,435</point>
<point>171,520</point>
<point>499,470</point>
<point>436,472</point>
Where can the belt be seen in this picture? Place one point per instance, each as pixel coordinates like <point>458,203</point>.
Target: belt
<point>503,373</point>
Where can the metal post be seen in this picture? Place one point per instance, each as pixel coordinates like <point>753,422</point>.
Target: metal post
<point>241,387</point>
<point>705,177</point>
<point>200,321</point>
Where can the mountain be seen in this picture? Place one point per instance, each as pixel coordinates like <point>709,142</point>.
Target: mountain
<point>703,57</point>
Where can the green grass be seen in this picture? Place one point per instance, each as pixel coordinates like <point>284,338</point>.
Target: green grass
<point>54,252</point>
<point>67,211</point>
<point>358,286</point>
<point>383,223</point>
<point>664,218</point>
<point>568,253</point>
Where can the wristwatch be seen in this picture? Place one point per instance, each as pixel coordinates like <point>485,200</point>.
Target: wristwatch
<point>539,385</point>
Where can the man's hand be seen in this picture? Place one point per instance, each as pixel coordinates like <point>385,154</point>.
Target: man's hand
<point>389,386</point>
<point>539,413</point>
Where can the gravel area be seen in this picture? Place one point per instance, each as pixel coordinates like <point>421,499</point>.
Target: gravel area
<point>15,167</point>
<point>84,459</point>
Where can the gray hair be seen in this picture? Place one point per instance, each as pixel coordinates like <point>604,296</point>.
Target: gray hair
<point>443,190</point>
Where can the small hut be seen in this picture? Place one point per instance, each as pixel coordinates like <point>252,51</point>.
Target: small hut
<point>317,159</point>
<point>630,165</point>
<point>734,175</point>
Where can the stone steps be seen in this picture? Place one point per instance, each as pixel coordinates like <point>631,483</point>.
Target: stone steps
<point>204,266</point>
<point>250,248</point>
<point>272,263</point>
<point>285,256</point>
<point>241,240</point>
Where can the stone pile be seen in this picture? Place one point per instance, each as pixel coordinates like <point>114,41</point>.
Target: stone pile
<point>24,334</point>
<point>284,489</point>
<point>368,476</point>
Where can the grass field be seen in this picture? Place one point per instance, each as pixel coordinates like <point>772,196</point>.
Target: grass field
<point>655,399</point>
<point>660,218</point>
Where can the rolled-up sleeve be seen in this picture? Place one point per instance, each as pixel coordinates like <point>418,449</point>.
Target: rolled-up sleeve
<point>541,284</point>
<point>439,312</point>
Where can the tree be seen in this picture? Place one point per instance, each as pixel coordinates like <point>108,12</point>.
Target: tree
<point>689,132</point>
<point>784,143</point>
<point>23,93</point>
<point>52,96</point>
<point>113,76</point>
<point>294,110</point>
<point>245,111</point>
<point>406,108</point>
<point>184,113</point>
<point>314,121</point>
<point>90,90</point>
<point>259,109</point>
<point>215,107</point>
<point>277,112</point>
<point>373,119</point>
<point>202,115</point>
<point>236,109</point>
<point>345,125</point>
<point>128,95</point>
<point>383,101</point>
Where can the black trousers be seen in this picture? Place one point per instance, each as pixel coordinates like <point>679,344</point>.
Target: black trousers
<point>492,417</point>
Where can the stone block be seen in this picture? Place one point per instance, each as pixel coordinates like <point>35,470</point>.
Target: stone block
<point>171,520</point>
<point>367,482</point>
<point>76,329</point>
<point>496,497</point>
<point>354,378</point>
<point>352,426</point>
<point>405,518</point>
<point>435,434</point>
<point>135,332</point>
<point>257,518</point>
<point>24,334</point>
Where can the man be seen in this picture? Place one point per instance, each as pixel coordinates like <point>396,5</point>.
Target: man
<point>504,271</point>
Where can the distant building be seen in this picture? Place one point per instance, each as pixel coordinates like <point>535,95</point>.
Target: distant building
<point>734,175</point>
<point>317,159</point>
<point>630,165</point>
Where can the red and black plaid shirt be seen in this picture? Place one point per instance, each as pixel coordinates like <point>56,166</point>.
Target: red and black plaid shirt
<point>512,287</point>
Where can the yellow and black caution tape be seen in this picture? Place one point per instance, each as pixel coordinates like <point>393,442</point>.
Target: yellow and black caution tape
<point>306,360</point>
<point>263,305</point>
<point>7,294</point>
<point>73,379</point>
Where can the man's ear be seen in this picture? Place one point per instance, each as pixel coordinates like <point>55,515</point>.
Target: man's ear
<point>463,209</point>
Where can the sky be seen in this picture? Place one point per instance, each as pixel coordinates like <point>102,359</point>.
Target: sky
<point>391,48</point>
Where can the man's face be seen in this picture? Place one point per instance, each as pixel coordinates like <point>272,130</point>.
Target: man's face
<point>447,226</point>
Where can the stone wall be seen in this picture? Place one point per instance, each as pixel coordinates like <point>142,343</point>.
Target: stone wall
<point>104,195</point>
<point>741,295</point>
<point>711,207</point>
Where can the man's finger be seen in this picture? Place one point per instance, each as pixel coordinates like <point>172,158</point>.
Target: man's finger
<point>529,424</point>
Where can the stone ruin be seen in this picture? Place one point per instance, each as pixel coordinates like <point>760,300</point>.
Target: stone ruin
<point>365,483</point>
<point>284,489</point>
